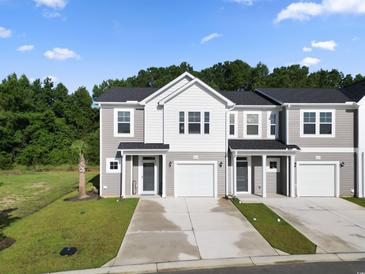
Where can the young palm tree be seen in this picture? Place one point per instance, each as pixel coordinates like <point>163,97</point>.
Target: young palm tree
<point>80,148</point>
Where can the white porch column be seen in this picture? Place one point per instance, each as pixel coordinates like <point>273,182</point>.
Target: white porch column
<point>292,176</point>
<point>123,174</point>
<point>163,175</point>
<point>234,175</point>
<point>264,176</point>
<point>287,177</point>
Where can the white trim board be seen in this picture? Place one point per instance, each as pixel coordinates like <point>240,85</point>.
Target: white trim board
<point>328,149</point>
<point>131,122</point>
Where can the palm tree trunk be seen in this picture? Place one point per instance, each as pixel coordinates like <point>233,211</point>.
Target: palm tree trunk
<point>82,171</point>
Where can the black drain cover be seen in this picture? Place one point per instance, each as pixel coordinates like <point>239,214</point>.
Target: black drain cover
<point>69,251</point>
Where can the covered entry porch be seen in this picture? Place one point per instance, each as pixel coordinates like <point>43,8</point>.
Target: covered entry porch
<point>143,169</point>
<point>262,167</point>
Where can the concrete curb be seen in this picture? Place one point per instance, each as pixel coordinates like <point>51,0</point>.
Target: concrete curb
<point>221,263</point>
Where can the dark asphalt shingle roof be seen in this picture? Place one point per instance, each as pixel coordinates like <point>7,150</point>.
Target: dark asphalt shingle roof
<point>121,94</point>
<point>355,91</point>
<point>239,144</point>
<point>139,145</point>
<point>246,98</point>
<point>305,95</point>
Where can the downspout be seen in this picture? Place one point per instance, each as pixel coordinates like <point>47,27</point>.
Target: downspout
<point>226,152</point>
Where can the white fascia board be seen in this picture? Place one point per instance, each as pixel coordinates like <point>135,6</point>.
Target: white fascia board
<point>254,152</point>
<point>204,85</point>
<point>168,85</point>
<point>271,107</point>
<point>127,103</point>
<point>289,105</point>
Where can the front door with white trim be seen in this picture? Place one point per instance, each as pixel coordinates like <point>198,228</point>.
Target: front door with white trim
<point>243,178</point>
<point>148,178</point>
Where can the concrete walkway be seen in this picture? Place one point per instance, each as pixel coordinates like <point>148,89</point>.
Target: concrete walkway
<point>180,229</point>
<point>333,224</point>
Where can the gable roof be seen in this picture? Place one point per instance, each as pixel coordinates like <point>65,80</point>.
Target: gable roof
<point>121,94</point>
<point>305,95</point>
<point>248,98</point>
<point>168,85</point>
<point>191,83</point>
<point>355,91</point>
<point>240,144</point>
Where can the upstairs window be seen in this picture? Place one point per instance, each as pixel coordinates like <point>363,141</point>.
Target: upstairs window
<point>317,123</point>
<point>206,122</point>
<point>181,122</point>
<point>232,124</point>
<point>194,122</point>
<point>253,125</point>
<point>123,122</point>
<point>273,124</point>
<point>325,123</point>
<point>309,123</point>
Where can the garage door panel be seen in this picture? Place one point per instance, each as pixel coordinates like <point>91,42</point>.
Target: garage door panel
<point>194,180</point>
<point>316,180</point>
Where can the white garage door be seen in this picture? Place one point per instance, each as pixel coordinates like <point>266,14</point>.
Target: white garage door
<point>194,179</point>
<point>315,179</point>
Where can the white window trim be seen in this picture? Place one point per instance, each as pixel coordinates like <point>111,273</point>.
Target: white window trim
<point>235,113</point>
<point>204,123</point>
<point>131,111</point>
<point>245,125</point>
<point>317,135</point>
<point>178,124</point>
<point>269,136</point>
<point>201,122</point>
<point>272,170</point>
<point>108,170</point>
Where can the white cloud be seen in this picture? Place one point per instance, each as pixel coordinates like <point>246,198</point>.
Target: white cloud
<point>243,2</point>
<point>25,48</point>
<point>210,37</point>
<point>306,10</point>
<point>310,61</point>
<point>307,49</point>
<point>53,4</point>
<point>327,45</point>
<point>52,14</point>
<point>5,33</point>
<point>61,54</point>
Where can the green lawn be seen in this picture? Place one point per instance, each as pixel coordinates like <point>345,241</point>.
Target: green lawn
<point>279,235</point>
<point>358,201</point>
<point>95,227</point>
<point>23,192</point>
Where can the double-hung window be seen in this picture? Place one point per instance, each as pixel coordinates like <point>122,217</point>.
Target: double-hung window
<point>232,128</point>
<point>253,125</point>
<point>181,122</point>
<point>194,122</point>
<point>123,122</point>
<point>317,123</point>
<point>206,122</point>
<point>273,124</point>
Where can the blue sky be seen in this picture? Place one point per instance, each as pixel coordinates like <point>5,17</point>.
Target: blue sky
<point>82,42</point>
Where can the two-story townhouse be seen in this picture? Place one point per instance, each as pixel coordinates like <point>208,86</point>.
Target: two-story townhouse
<point>356,93</point>
<point>187,139</point>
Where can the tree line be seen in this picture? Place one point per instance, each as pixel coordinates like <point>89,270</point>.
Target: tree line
<point>39,121</point>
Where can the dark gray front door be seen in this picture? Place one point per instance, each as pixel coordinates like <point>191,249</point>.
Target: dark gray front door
<point>242,176</point>
<point>148,177</point>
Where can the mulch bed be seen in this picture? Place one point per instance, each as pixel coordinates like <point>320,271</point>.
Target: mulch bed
<point>5,243</point>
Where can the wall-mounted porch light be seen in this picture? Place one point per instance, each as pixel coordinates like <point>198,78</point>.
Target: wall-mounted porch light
<point>170,164</point>
<point>342,164</point>
<point>220,164</point>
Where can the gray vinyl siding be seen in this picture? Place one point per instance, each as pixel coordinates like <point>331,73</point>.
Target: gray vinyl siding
<point>128,175</point>
<point>347,172</point>
<point>344,130</point>
<point>282,125</point>
<point>188,156</point>
<point>109,146</point>
<point>256,176</point>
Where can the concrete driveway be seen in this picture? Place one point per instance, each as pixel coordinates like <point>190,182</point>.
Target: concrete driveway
<point>176,229</point>
<point>333,224</point>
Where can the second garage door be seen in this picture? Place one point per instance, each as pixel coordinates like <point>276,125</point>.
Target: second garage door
<point>194,179</point>
<point>316,179</point>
